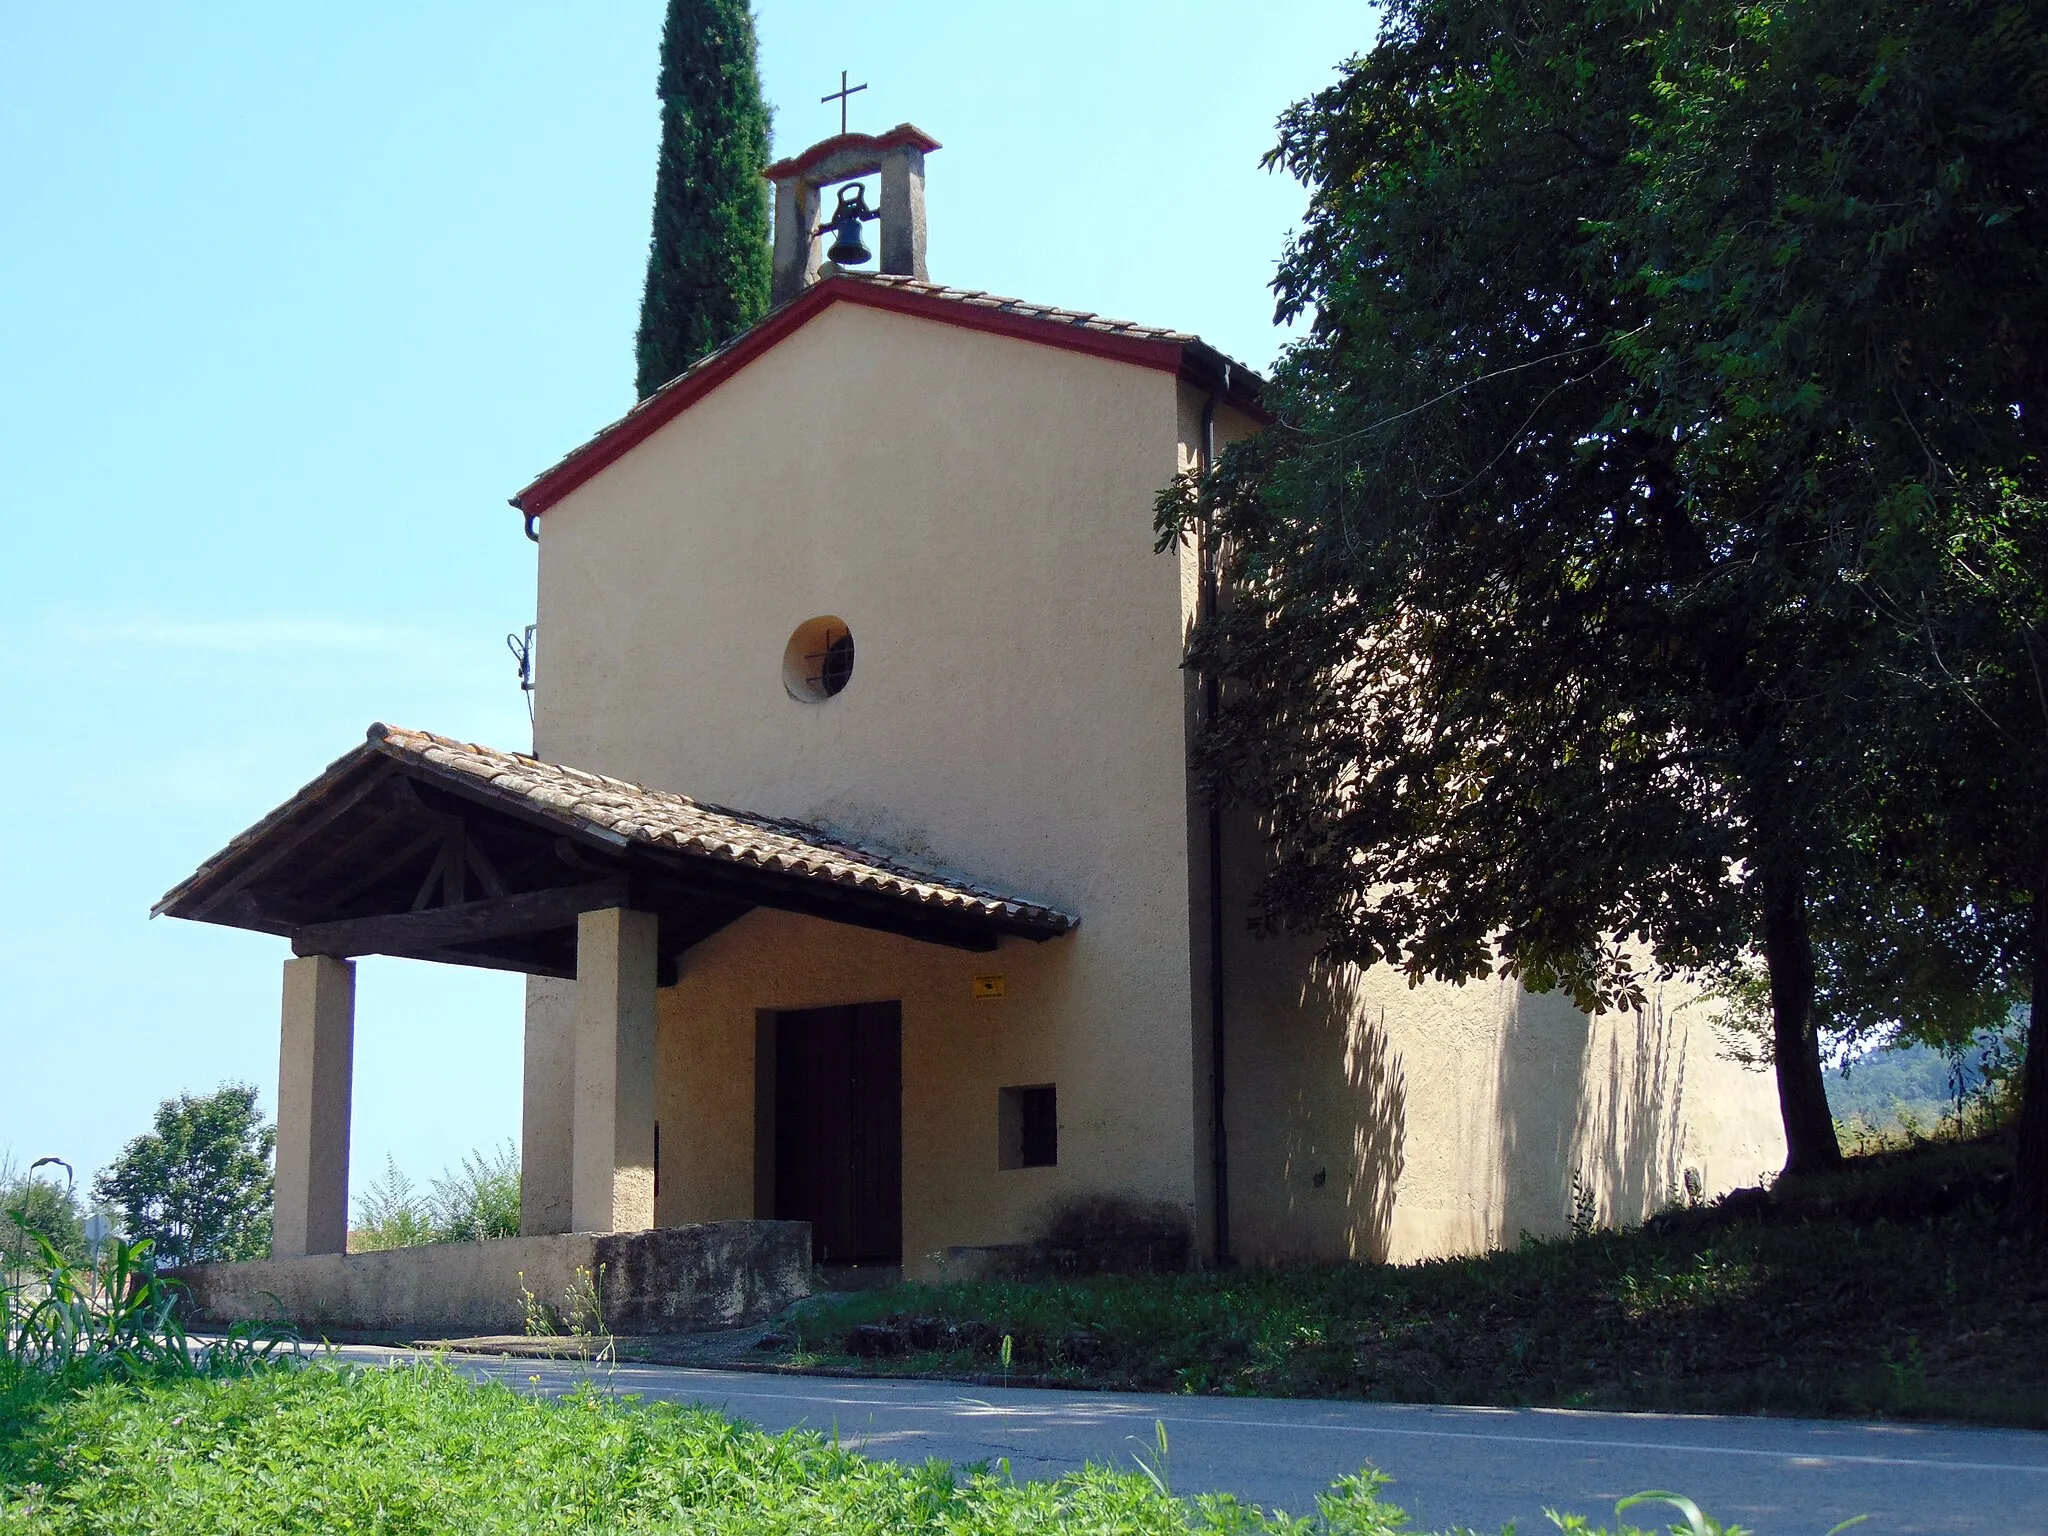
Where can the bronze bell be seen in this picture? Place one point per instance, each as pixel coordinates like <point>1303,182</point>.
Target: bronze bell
<point>846,249</point>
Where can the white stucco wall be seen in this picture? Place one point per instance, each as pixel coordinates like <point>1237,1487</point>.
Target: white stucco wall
<point>957,1054</point>
<point>1453,1119</point>
<point>979,511</point>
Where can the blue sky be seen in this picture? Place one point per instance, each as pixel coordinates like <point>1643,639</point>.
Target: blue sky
<point>291,300</point>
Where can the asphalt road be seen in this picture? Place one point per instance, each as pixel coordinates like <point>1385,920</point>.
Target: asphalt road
<point>1479,1467</point>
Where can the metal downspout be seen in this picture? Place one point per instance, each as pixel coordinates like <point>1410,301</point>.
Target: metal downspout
<point>1211,597</point>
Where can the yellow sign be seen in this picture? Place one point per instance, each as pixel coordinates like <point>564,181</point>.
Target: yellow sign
<point>987,988</point>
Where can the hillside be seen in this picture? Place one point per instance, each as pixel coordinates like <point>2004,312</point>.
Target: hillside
<point>1887,1289</point>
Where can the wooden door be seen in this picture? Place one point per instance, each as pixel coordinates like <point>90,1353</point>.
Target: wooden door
<point>839,1130</point>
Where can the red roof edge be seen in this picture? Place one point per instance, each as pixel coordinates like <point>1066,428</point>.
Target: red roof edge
<point>1196,362</point>
<point>825,149</point>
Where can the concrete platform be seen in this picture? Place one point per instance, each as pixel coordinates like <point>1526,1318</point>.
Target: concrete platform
<point>669,1280</point>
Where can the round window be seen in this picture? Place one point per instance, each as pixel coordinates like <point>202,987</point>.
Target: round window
<point>818,661</point>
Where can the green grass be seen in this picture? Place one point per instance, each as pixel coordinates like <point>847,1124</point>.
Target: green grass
<point>327,1450</point>
<point>418,1450</point>
<point>112,1420</point>
<point>1887,1290</point>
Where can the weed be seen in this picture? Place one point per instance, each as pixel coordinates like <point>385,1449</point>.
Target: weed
<point>390,1214</point>
<point>1584,1216</point>
<point>579,1316</point>
<point>473,1203</point>
<point>113,1319</point>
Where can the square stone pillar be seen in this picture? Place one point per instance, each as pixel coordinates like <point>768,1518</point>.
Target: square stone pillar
<point>612,1133</point>
<point>315,1083</point>
<point>796,250</point>
<point>902,210</point>
<point>547,1107</point>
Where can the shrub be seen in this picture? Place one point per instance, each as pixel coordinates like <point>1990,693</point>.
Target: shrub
<point>391,1213</point>
<point>472,1203</point>
<point>480,1199</point>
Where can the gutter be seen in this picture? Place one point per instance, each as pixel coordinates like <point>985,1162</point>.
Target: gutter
<point>1212,691</point>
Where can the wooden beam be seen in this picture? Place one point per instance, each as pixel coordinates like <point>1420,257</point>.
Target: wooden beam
<point>470,922</point>
<point>436,880</point>
<point>484,961</point>
<point>376,831</point>
<point>283,844</point>
<point>685,929</point>
<point>259,911</point>
<point>753,886</point>
<point>481,866</point>
<point>391,864</point>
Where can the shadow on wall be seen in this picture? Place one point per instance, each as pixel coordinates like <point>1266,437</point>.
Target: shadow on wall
<point>1377,1099</point>
<point>1108,1234</point>
<point>1642,1123</point>
<point>1589,1108</point>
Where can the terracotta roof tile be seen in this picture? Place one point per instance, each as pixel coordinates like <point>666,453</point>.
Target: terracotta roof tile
<point>660,820</point>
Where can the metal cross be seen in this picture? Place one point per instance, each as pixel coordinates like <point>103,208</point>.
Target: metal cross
<point>840,96</point>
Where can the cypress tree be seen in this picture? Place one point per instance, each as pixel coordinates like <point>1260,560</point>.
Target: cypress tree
<point>708,260</point>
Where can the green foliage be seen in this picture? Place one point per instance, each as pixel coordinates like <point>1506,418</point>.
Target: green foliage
<point>1851,285</point>
<point>390,1213</point>
<point>480,1199</point>
<point>1887,969</point>
<point>1516,683</point>
<point>423,1450</point>
<point>32,1204</point>
<point>578,1317</point>
<point>70,1325</point>
<point>1650,554</point>
<point>1909,1089</point>
<point>472,1203</point>
<point>1885,1289</point>
<point>198,1186</point>
<point>708,262</point>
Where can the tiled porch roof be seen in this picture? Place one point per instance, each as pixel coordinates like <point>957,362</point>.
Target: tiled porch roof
<point>354,845</point>
<point>661,820</point>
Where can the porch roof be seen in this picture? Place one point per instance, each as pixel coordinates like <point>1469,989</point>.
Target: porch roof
<point>414,844</point>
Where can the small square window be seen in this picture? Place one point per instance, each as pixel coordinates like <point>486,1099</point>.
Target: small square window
<point>1028,1126</point>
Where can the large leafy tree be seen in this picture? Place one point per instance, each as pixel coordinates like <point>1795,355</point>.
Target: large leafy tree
<point>1544,653</point>
<point>199,1183</point>
<point>1649,554</point>
<point>708,265</point>
<point>1847,207</point>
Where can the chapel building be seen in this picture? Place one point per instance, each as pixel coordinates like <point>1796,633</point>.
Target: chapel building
<point>856,866</point>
